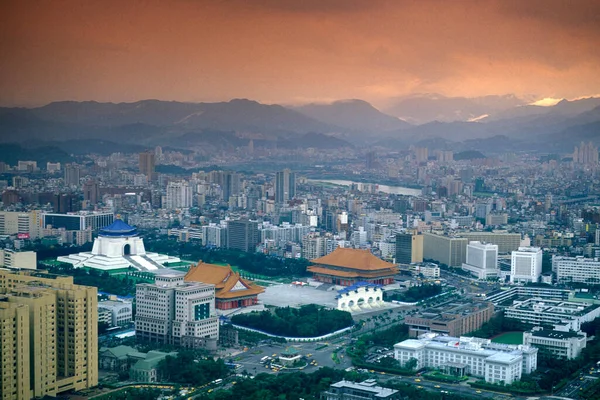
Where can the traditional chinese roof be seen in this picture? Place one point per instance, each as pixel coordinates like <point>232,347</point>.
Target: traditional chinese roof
<point>228,283</point>
<point>357,259</point>
<point>118,229</point>
<point>316,269</point>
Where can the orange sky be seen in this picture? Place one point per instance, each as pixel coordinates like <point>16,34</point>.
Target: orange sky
<point>295,51</point>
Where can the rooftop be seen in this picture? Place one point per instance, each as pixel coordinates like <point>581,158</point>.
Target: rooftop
<point>118,229</point>
<point>354,259</point>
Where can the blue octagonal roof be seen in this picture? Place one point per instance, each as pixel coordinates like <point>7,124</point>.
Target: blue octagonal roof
<point>118,229</point>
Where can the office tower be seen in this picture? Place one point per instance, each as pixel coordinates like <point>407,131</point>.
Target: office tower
<point>72,175</point>
<point>371,160</point>
<point>148,164</point>
<point>243,235</point>
<point>526,264</point>
<point>179,195</point>
<point>91,192</point>
<point>25,225</point>
<point>78,222</point>
<point>285,186</point>
<point>59,335</point>
<point>230,185</point>
<point>449,250</point>
<point>482,260</point>
<point>173,311</point>
<point>409,248</point>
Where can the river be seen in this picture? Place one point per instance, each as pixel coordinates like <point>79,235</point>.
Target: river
<point>382,188</point>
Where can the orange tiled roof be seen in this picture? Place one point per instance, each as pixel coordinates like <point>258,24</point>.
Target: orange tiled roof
<point>224,278</point>
<point>351,274</point>
<point>357,259</point>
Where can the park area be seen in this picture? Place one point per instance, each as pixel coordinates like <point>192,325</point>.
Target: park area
<point>509,338</point>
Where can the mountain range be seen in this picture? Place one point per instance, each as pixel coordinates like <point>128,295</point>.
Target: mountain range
<point>487,124</point>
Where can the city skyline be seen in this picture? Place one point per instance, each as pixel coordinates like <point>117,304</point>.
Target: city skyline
<point>289,52</point>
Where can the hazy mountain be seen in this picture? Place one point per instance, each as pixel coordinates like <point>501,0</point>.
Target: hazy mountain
<point>356,115</point>
<point>423,108</point>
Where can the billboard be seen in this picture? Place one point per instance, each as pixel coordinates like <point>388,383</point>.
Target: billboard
<point>22,235</point>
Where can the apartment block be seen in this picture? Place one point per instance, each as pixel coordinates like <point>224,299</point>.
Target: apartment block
<point>61,330</point>
<point>15,381</point>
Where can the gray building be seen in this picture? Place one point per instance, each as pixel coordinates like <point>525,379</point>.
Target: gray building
<point>448,250</point>
<point>367,390</point>
<point>243,235</point>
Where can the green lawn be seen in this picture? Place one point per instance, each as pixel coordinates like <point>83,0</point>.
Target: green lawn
<point>509,338</point>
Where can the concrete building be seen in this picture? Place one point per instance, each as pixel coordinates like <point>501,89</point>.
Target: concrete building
<point>526,265</point>
<point>562,315</point>
<point>367,390</point>
<point>173,311</point>
<point>285,186</point>
<point>121,312</point>
<point>478,357</point>
<point>243,235</point>
<point>409,248</point>
<point>18,259</point>
<point>59,336</point>
<point>78,221</point>
<point>576,269</point>
<point>448,250</point>
<point>454,319</point>
<point>25,225</point>
<point>482,260</point>
<point>214,235</point>
<point>179,195</point>
<point>15,380</point>
<point>314,246</point>
<point>147,165</point>
<point>521,293</point>
<point>506,242</point>
<point>556,344</point>
<point>496,219</point>
<point>427,269</point>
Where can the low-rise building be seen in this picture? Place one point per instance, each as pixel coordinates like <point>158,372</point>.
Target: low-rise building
<point>427,269</point>
<point>121,312</point>
<point>520,293</point>
<point>576,270</point>
<point>367,390</point>
<point>562,315</point>
<point>18,259</point>
<point>453,319</point>
<point>146,370</point>
<point>552,343</point>
<point>478,357</point>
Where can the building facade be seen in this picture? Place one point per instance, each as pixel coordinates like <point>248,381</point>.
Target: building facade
<point>496,363</point>
<point>526,265</point>
<point>448,250</point>
<point>482,260</point>
<point>562,315</point>
<point>243,235</point>
<point>409,248</point>
<point>576,269</point>
<point>61,331</point>
<point>173,311</point>
<point>285,186</point>
<point>556,344</point>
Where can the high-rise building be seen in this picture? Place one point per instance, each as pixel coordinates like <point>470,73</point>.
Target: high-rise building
<point>586,154</point>
<point>56,339</point>
<point>179,195</point>
<point>25,225</point>
<point>449,250</point>
<point>91,192</point>
<point>409,248</point>
<point>148,165</point>
<point>173,311</point>
<point>285,186</point>
<point>243,235</point>
<point>526,264</point>
<point>314,246</point>
<point>72,175</point>
<point>482,260</point>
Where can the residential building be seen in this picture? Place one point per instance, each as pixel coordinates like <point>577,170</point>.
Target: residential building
<point>285,186</point>
<point>314,246</point>
<point>72,175</point>
<point>526,265</point>
<point>18,259</point>
<point>562,315</point>
<point>495,362</point>
<point>214,235</point>
<point>409,248</point>
<point>179,195</point>
<point>15,379</point>
<point>454,319</point>
<point>576,269</point>
<point>448,250</point>
<point>556,344</point>
<point>61,331</point>
<point>147,165</point>
<point>482,260</point>
<point>367,390</point>
<point>173,311</point>
<point>243,235</point>
<point>24,225</point>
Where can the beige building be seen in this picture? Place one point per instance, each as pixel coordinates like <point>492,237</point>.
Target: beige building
<point>13,223</point>
<point>448,250</point>
<point>18,259</point>
<point>61,331</point>
<point>14,339</point>
<point>506,242</point>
